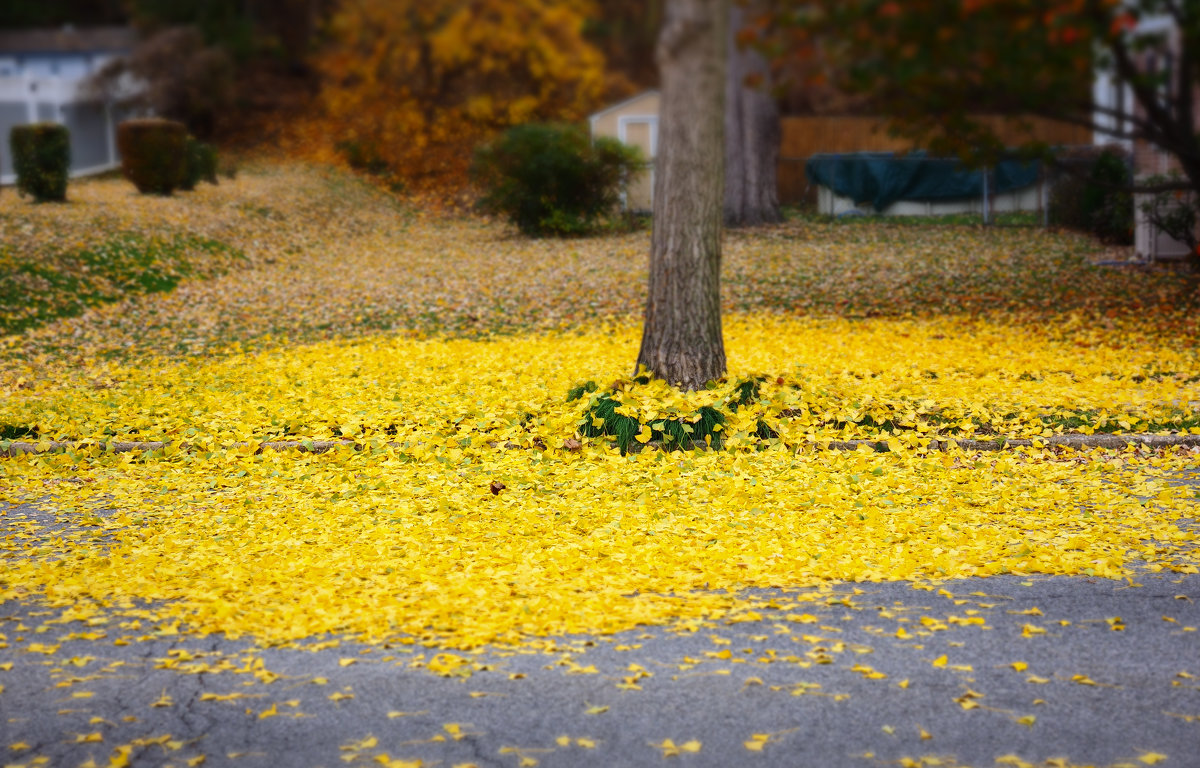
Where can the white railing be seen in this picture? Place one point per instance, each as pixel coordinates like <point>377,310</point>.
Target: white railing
<point>33,90</point>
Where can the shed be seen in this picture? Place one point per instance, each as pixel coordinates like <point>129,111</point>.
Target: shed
<point>43,76</point>
<point>635,122</point>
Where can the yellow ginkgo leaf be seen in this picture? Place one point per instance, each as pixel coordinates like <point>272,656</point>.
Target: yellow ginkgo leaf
<point>120,756</point>
<point>668,748</point>
<point>868,672</point>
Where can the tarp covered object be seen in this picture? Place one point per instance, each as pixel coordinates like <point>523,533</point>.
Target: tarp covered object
<point>882,178</point>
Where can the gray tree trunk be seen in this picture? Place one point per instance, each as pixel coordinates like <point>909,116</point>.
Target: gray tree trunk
<point>681,337</point>
<point>752,131</point>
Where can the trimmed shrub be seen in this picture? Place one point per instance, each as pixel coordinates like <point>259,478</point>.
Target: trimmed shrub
<point>200,164</point>
<point>191,164</point>
<point>208,163</point>
<point>153,154</point>
<point>42,160</point>
<point>552,179</point>
<point>1092,194</point>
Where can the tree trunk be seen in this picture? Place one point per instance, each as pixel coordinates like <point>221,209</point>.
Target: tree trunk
<point>681,338</point>
<point>752,131</point>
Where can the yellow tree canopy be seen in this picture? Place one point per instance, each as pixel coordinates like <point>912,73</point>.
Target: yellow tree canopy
<point>413,86</point>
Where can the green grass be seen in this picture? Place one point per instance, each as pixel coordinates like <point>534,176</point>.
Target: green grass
<point>36,288</point>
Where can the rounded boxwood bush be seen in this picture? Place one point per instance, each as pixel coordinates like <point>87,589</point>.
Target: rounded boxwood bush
<point>192,160</point>
<point>552,179</point>
<point>153,154</point>
<point>42,160</point>
<point>207,155</point>
<point>200,164</point>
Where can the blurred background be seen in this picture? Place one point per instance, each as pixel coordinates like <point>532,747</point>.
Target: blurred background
<point>406,90</point>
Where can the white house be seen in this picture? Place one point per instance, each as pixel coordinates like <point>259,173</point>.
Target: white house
<point>42,77</point>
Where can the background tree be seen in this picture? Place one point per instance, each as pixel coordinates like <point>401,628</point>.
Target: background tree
<point>682,341</point>
<point>414,86</point>
<point>626,32</point>
<point>752,126</point>
<point>228,24</point>
<point>185,79</point>
<point>284,29</point>
<point>22,14</point>
<point>930,63</point>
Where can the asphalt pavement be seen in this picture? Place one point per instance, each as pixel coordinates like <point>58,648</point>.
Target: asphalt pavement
<point>1009,670</point>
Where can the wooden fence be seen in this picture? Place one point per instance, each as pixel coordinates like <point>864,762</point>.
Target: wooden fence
<point>804,137</point>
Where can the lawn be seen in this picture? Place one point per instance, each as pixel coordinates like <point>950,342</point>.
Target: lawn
<point>468,505</point>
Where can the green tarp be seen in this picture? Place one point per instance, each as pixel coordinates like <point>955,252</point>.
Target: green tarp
<point>882,178</point>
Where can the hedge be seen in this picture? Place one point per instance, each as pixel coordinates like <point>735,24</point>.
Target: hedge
<point>153,154</point>
<point>553,179</point>
<point>42,160</point>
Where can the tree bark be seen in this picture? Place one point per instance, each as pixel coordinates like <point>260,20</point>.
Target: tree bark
<point>681,337</point>
<point>752,131</point>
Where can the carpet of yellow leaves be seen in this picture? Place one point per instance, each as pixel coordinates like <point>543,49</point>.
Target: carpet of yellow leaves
<point>405,537</point>
<point>825,376</point>
<point>383,542</point>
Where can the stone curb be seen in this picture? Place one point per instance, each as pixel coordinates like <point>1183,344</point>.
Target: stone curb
<point>18,448</point>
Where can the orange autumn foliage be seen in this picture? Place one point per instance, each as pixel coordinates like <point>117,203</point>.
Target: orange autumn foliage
<point>410,88</point>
